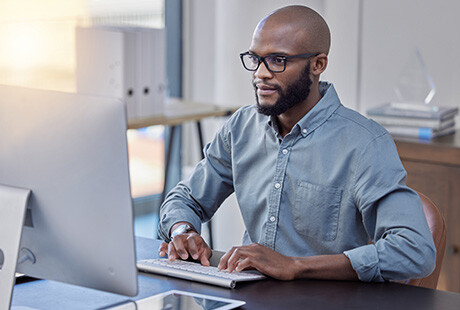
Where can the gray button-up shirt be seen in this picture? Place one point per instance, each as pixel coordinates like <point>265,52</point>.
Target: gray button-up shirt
<point>334,184</point>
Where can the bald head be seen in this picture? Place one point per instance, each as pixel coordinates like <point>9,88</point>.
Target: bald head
<point>307,27</point>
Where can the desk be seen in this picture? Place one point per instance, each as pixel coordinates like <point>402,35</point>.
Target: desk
<point>174,115</point>
<point>180,112</point>
<point>267,294</point>
<point>433,168</point>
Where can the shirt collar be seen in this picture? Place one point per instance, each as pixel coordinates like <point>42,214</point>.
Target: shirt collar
<point>323,109</point>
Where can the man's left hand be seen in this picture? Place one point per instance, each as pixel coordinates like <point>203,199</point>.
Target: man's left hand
<point>256,256</point>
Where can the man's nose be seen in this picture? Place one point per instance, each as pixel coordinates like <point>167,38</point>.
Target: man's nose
<point>262,72</point>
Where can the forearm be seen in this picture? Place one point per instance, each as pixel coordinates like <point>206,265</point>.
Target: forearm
<point>177,208</point>
<point>181,205</point>
<point>324,267</point>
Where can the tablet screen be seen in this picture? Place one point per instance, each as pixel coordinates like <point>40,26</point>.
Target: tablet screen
<point>179,300</point>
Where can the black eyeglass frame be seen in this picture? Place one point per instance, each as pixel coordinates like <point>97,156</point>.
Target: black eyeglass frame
<point>262,59</point>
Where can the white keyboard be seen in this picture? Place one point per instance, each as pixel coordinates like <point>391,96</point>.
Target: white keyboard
<point>196,272</point>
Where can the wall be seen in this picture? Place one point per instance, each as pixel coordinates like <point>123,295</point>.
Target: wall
<point>392,30</point>
<point>371,43</point>
<point>344,20</point>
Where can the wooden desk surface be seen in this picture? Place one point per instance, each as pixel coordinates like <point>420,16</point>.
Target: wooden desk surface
<point>266,294</point>
<point>180,112</point>
<point>441,150</point>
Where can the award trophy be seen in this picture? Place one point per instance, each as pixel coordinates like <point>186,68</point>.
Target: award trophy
<point>415,88</point>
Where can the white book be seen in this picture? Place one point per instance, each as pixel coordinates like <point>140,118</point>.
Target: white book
<point>413,122</point>
<point>419,132</point>
<point>422,112</point>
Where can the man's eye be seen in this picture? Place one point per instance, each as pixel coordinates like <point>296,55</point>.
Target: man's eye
<point>253,58</point>
<point>276,60</point>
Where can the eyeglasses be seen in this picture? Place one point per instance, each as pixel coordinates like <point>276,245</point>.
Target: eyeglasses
<point>274,63</point>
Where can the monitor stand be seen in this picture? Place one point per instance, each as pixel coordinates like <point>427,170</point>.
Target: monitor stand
<point>13,204</point>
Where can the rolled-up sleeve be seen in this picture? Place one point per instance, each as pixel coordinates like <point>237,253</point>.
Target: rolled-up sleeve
<point>196,199</point>
<point>401,244</point>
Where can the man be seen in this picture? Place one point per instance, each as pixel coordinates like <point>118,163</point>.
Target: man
<point>320,187</point>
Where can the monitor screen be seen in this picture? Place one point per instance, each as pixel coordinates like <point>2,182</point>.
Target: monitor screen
<point>71,151</point>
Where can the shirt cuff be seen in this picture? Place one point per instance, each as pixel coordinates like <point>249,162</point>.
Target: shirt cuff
<point>365,261</point>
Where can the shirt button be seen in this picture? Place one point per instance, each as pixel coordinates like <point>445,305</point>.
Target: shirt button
<point>277,185</point>
<point>272,218</point>
<point>304,131</point>
<point>285,151</point>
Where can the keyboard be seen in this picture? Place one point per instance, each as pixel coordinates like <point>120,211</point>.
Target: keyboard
<point>197,272</point>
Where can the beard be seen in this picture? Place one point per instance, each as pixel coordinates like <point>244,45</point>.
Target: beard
<point>293,95</point>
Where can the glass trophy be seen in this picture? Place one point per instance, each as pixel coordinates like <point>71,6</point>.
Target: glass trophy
<point>415,88</point>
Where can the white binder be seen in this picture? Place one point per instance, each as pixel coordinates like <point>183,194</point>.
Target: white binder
<point>123,62</point>
<point>152,71</point>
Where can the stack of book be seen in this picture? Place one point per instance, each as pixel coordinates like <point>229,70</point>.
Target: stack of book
<point>414,120</point>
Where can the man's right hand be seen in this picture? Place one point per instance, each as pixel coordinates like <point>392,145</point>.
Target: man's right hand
<point>183,246</point>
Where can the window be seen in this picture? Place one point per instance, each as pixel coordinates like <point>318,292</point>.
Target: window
<point>38,51</point>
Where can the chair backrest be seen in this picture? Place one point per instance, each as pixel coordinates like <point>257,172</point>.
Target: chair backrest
<point>438,230</point>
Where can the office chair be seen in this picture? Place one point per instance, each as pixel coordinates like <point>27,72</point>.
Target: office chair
<point>438,230</point>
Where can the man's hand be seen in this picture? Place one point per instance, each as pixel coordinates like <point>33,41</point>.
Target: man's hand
<point>256,256</point>
<point>184,245</point>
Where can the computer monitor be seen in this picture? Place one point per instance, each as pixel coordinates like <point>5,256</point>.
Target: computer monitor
<point>70,150</point>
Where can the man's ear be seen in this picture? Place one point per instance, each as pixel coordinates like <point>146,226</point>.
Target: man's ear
<point>319,64</point>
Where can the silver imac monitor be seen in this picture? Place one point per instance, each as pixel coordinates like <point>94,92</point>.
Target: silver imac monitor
<point>70,151</point>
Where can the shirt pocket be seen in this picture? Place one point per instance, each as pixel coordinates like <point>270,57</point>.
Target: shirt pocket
<point>316,211</point>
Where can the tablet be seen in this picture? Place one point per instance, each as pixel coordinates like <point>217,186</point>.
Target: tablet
<point>180,300</point>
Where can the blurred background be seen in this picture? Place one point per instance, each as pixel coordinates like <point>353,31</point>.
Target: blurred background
<point>373,45</point>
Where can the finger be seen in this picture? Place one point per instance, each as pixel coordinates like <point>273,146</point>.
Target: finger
<point>204,260</point>
<point>179,245</point>
<point>199,249</point>
<point>224,259</point>
<point>205,255</point>
<point>192,248</point>
<point>233,260</point>
<point>244,264</point>
<point>172,255</point>
<point>163,249</point>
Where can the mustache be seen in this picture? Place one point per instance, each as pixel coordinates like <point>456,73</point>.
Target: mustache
<point>274,86</point>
